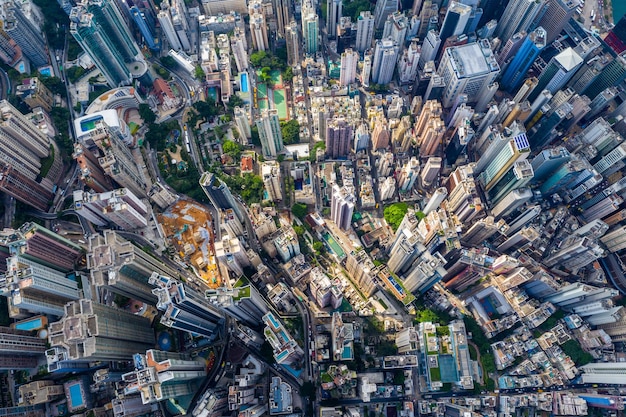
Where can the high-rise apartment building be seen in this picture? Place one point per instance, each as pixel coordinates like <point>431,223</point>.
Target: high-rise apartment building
<point>342,207</point>
<point>339,137</point>
<point>243,302</point>
<point>519,175</point>
<point>408,175</point>
<point>349,61</point>
<point>22,144</point>
<point>270,135</point>
<point>122,267</point>
<point>117,160</point>
<point>167,26</point>
<point>258,31</point>
<point>360,267</point>
<point>219,194</point>
<point>90,331</point>
<point>32,287</point>
<point>178,12</point>
<point>23,188</point>
<point>385,58</point>
<point>292,39</point>
<point>270,172</point>
<point>310,30</point>
<point>383,9</point>
<point>468,69</point>
<point>91,173</point>
<point>39,244</point>
<point>120,207</point>
<point>430,47</point>
<point>24,32</point>
<point>333,15</point>
<point>408,63</point>
<point>185,308</point>
<point>519,16</point>
<point>396,27</point>
<point>161,376</point>
<point>529,50</point>
<point>35,94</point>
<point>99,28</point>
<point>364,31</point>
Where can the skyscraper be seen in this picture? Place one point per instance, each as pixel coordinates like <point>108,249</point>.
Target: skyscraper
<point>22,144</point>
<point>408,62</point>
<point>528,51</point>
<point>167,26</point>
<point>37,243</point>
<point>119,207</point>
<point>333,10</point>
<point>557,15</point>
<point>383,9</point>
<point>24,33</point>
<point>349,61</point>
<point>90,331</point>
<point>184,308</point>
<point>35,288</point>
<point>310,30</point>
<point>519,16</point>
<point>341,208</point>
<point>258,30</point>
<point>557,73</point>
<point>99,28</point>
<point>364,31</point>
<point>610,76</point>
<point>468,69</point>
<point>339,137</point>
<point>517,149</point>
<point>161,376</point>
<point>24,189</point>
<point>270,135</point>
<point>90,171</point>
<point>281,8</point>
<point>147,34</point>
<point>293,44</point>
<point>455,21</point>
<point>122,267</point>
<point>219,194</point>
<point>385,58</point>
<point>430,48</point>
<point>396,27</point>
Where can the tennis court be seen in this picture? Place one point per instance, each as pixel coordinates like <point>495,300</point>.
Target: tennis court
<point>277,79</point>
<point>334,246</point>
<point>281,104</point>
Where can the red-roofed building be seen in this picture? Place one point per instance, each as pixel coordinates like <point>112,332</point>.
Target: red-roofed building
<point>247,164</point>
<point>164,94</point>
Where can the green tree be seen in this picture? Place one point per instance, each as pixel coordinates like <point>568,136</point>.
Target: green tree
<point>54,84</point>
<point>318,247</point>
<point>231,148</point>
<point>257,58</point>
<point>394,214</point>
<point>313,152</point>
<point>299,210</point>
<point>146,113</point>
<point>169,62</point>
<point>288,74</point>
<point>74,73</point>
<point>355,7</point>
<point>290,131</point>
<point>199,73</point>
<point>299,230</point>
<point>235,101</point>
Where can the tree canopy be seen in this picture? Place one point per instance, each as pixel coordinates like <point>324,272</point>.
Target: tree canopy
<point>299,210</point>
<point>146,114</point>
<point>290,131</point>
<point>394,214</point>
<point>232,148</point>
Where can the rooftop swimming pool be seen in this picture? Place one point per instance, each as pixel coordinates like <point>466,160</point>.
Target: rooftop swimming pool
<point>244,82</point>
<point>76,396</point>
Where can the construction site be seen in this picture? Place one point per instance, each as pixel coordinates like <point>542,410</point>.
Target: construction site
<point>188,228</point>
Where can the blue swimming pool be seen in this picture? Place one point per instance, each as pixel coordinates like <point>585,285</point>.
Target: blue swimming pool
<point>244,82</point>
<point>273,320</point>
<point>76,396</point>
<point>30,325</point>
